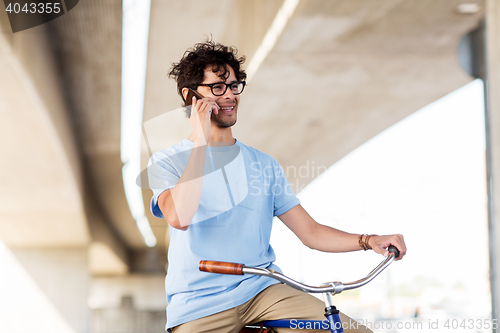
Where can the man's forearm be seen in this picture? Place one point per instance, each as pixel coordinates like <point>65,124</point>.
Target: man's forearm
<point>184,200</point>
<point>324,238</point>
<point>328,239</point>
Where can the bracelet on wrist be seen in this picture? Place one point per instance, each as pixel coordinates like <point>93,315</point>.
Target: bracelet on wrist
<point>363,243</point>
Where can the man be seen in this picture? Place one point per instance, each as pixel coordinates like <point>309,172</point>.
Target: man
<point>219,197</point>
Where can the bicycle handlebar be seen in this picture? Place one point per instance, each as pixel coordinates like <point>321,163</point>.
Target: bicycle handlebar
<point>332,287</point>
<point>394,250</point>
<point>221,267</point>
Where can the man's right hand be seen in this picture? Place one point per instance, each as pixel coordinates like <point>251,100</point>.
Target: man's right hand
<point>200,118</point>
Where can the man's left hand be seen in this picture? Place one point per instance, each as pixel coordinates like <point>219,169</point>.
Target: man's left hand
<point>380,244</point>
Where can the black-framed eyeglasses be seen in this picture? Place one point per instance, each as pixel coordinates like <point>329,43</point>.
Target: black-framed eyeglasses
<point>220,88</point>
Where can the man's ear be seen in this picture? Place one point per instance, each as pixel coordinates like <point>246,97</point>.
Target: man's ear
<point>184,93</point>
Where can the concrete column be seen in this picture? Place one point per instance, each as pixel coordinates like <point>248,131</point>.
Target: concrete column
<point>493,144</point>
<point>44,290</point>
<point>128,304</point>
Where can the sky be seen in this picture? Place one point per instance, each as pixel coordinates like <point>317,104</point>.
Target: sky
<point>424,177</point>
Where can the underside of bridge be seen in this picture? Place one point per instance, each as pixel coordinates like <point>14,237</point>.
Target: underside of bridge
<point>339,73</point>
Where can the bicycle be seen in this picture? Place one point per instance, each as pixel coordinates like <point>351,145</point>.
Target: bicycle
<point>333,323</point>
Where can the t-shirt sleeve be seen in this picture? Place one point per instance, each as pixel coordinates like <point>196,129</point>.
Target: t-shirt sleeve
<point>284,197</point>
<point>162,176</point>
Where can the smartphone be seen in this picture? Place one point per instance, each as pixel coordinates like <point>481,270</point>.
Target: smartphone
<point>189,98</point>
<point>191,93</point>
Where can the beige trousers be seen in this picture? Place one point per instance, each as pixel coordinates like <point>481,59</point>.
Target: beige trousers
<point>278,301</point>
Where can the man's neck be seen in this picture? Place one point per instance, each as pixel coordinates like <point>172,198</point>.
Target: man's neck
<point>219,137</point>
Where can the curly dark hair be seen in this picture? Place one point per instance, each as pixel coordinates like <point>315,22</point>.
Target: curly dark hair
<point>190,71</point>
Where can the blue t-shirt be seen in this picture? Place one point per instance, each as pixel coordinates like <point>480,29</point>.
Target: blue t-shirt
<point>243,189</point>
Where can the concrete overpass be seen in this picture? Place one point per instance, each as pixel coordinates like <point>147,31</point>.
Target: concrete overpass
<point>339,73</point>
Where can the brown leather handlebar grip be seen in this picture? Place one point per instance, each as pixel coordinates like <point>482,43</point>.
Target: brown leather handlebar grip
<point>221,267</point>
